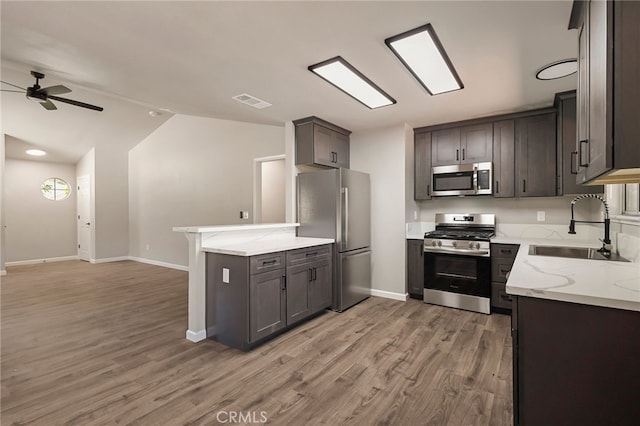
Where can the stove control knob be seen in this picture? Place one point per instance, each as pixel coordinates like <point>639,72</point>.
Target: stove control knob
<point>433,243</point>
<point>477,246</point>
<point>439,243</point>
<point>455,244</point>
<point>470,245</point>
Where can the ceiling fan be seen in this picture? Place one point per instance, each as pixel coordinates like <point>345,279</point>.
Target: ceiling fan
<point>45,94</point>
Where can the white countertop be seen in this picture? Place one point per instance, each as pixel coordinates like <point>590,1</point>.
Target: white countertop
<point>231,228</point>
<point>262,246</point>
<point>592,282</point>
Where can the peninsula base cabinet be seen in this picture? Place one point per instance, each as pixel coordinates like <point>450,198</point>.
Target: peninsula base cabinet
<point>574,364</point>
<point>253,298</point>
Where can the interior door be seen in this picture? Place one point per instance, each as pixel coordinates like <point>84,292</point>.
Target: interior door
<point>84,217</point>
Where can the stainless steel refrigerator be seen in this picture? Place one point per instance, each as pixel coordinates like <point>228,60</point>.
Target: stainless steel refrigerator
<point>336,204</point>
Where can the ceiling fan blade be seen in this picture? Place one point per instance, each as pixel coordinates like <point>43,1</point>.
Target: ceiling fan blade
<point>56,90</point>
<point>77,103</point>
<point>48,105</point>
<point>12,91</point>
<point>17,87</point>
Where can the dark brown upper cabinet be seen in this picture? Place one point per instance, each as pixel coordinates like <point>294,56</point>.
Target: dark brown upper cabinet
<point>567,183</point>
<point>422,166</point>
<point>504,159</point>
<point>321,143</point>
<point>462,145</point>
<point>536,155</point>
<point>608,98</point>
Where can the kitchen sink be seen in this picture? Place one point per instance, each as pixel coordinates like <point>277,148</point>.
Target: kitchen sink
<point>573,252</point>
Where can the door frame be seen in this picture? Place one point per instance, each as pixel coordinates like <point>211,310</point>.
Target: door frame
<point>257,184</point>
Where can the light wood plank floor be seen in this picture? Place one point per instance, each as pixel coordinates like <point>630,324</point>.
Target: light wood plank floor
<point>104,344</point>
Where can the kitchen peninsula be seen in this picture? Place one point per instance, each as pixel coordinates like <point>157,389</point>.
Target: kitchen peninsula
<point>238,240</point>
<point>576,330</point>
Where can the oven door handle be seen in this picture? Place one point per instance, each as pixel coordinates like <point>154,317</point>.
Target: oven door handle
<point>456,251</point>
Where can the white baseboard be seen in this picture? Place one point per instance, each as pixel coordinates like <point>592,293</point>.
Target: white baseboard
<point>159,263</point>
<point>36,261</point>
<point>110,259</point>
<point>196,336</point>
<point>389,295</point>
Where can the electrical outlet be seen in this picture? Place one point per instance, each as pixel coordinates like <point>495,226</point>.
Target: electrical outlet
<point>147,247</point>
<point>415,215</point>
<point>244,214</point>
<point>541,216</point>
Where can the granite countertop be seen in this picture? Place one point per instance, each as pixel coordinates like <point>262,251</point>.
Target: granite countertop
<point>591,282</point>
<point>262,245</point>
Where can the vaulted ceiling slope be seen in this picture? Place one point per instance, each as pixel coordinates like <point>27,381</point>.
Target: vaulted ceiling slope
<point>193,57</point>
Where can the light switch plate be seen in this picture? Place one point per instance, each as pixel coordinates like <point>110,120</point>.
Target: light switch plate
<point>225,275</point>
<point>541,216</point>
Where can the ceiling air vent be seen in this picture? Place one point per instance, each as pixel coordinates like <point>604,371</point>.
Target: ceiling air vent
<point>245,98</point>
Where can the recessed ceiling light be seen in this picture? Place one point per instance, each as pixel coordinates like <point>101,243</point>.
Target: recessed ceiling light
<point>422,53</point>
<point>345,77</point>
<point>557,69</point>
<point>36,152</point>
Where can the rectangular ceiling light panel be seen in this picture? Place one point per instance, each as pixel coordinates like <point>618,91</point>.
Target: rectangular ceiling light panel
<point>423,55</point>
<point>345,77</point>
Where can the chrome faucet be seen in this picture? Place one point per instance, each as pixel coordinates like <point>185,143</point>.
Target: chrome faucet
<point>606,242</point>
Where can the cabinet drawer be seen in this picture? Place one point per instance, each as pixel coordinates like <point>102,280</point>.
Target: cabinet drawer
<point>266,262</point>
<point>507,251</point>
<point>499,296</point>
<point>309,254</point>
<point>500,268</point>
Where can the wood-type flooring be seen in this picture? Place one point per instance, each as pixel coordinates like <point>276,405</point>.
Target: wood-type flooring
<point>94,344</point>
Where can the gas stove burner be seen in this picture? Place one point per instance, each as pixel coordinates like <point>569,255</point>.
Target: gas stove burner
<point>461,235</point>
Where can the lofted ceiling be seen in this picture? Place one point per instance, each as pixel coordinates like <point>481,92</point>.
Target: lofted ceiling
<point>193,57</point>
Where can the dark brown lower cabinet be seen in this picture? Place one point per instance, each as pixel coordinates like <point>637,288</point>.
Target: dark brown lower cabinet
<point>251,299</point>
<point>575,364</point>
<point>415,268</point>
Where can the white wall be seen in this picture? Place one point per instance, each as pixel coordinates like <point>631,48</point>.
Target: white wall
<point>381,153</point>
<point>2,214</point>
<point>192,171</point>
<point>38,228</point>
<point>111,186</point>
<point>273,192</point>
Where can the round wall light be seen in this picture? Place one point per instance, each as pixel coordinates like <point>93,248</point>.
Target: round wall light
<point>558,69</point>
<point>36,152</point>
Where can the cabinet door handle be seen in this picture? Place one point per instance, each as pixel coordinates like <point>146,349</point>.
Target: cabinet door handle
<point>314,274</point>
<point>497,187</point>
<point>524,185</point>
<point>283,283</point>
<point>428,190</point>
<point>309,275</point>
<point>502,271</point>
<point>269,262</point>
<point>421,250</point>
<point>505,251</point>
<point>574,161</point>
<point>580,154</point>
<point>315,253</point>
<point>457,155</point>
<point>463,154</point>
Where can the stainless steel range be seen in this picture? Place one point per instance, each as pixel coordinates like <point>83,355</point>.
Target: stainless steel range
<point>457,261</point>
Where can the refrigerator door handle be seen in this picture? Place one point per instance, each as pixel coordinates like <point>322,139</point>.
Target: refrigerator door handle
<point>345,218</point>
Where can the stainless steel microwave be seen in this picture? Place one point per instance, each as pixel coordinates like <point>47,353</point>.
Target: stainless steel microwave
<point>462,179</point>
